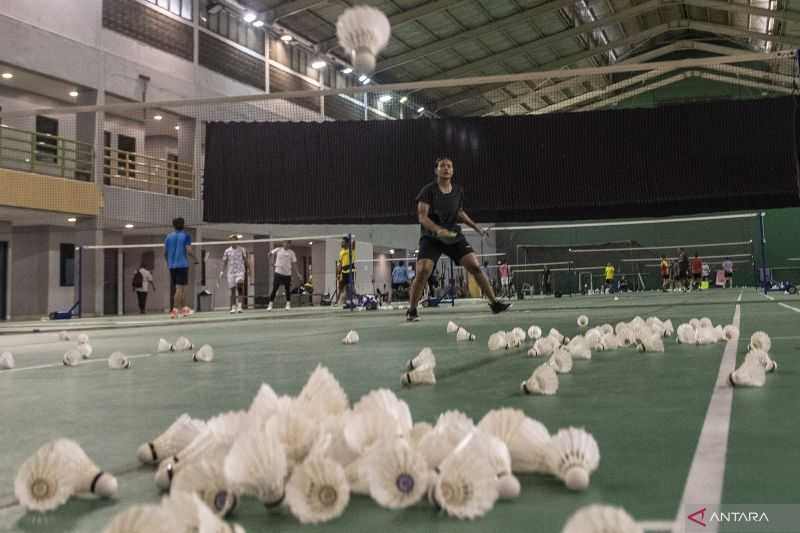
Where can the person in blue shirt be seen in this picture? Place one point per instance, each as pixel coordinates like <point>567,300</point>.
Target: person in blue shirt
<point>177,250</point>
<point>399,277</point>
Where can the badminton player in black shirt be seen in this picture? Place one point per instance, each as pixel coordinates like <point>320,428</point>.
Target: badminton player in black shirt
<point>440,208</point>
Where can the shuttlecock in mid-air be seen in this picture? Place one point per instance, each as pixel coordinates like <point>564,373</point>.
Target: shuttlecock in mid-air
<point>452,327</point>
<point>527,439</point>
<point>572,456</point>
<point>464,335</point>
<point>6,361</point>
<point>601,519</point>
<point>55,472</point>
<point>72,357</point>
<point>118,361</point>
<point>544,380</point>
<point>351,337</point>
<point>424,375</point>
<point>256,466</point>
<point>176,437</point>
<point>363,31</point>
<point>751,374</point>
<point>424,358</point>
<point>85,350</point>
<point>204,355</point>
<point>398,474</point>
<point>760,341</point>
<point>164,346</point>
<point>317,491</point>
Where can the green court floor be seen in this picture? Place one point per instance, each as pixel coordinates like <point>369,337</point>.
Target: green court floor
<point>646,411</point>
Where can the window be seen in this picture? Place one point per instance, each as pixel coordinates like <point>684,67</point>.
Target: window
<point>46,142</point>
<point>182,8</point>
<point>126,158</point>
<point>67,265</point>
<point>172,175</point>
<point>226,23</point>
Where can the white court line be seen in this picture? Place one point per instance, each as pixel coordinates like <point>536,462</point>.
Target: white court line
<point>707,473</point>
<point>787,306</point>
<point>656,525</point>
<point>768,297</point>
<point>55,365</point>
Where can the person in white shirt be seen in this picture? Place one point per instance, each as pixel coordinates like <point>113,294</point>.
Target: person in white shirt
<point>142,281</point>
<point>285,263</point>
<point>727,266</point>
<point>234,262</point>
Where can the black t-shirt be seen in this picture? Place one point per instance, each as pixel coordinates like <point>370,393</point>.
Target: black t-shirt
<point>443,207</point>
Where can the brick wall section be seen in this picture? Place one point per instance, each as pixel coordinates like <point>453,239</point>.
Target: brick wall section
<point>231,62</point>
<point>148,26</point>
<point>281,81</point>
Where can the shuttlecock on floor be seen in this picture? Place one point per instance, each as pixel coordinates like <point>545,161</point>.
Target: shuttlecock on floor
<point>317,491</point>
<point>424,358</point>
<point>204,355</point>
<point>669,330</point>
<point>544,380</point>
<point>706,322</point>
<point>351,337</point>
<point>760,341</point>
<point>424,375</point>
<point>543,347</point>
<point>256,466</point>
<point>145,518</point>
<point>610,342</point>
<point>164,346</point>
<point>72,358</point>
<point>651,344</point>
<point>466,486</point>
<point>572,456</point>
<point>601,519</point>
<point>519,334</point>
<point>452,327</point>
<point>686,334</point>
<point>63,336</point>
<point>578,349</point>
<point>731,332</point>
<point>363,31</point>
<point>534,332</point>
<point>174,439</point>
<point>556,335</point>
<point>594,338</point>
<point>398,474</point>
<point>498,341</point>
<point>85,350</point>
<point>206,478</point>
<point>464,335</point>
<point>751,374</point>
<point>527,439</point>
<point>763,359</point>
<point>118,361</point>
<point>58,470</point>
<point>616,298</point>
<point>183,344</point>
<point>451,427</point>
<point>322,395</point>
<point>83,338</point>
<point>706,336</point>
<point>194,515</point>
<point>583,321</point>
<point>296,431</point>
<point>561,361</point>
<point>6,361</point>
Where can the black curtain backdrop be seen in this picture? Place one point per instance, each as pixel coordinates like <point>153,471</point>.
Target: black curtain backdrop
<point>670,160</point>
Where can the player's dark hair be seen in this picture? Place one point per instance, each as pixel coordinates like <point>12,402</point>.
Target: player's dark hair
<point>178,223</point>
<point>439,160</point>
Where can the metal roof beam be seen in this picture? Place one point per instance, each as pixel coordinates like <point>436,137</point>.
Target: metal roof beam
<point>792,16</point>
<point>739,32</point>
<point>288,9</point>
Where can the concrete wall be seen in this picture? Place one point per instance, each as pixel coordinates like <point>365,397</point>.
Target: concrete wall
<point>29,277</point>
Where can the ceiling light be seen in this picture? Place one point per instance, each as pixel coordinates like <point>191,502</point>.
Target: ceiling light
<point>72,219</point>
<point>258,24</point>
<point>416,251</point>
<point>347,70</point>
<point>3,125</point>
<point>73,94</point>
<point>391,251</point>
<point>363,78</point>
<point>203,19</point>
<point>366,81</point>
<point>420,110</point>
<point>177,127</point>
<point>250,16</point>
<point>404,99</point>
<point>128,226</point>
<point>239,236</point>
<point>157,117</point>
<point>286,38</point>
<point>7,75</point>
<point>385,98</point>
<point>318,64</point>
<point>310,243</point>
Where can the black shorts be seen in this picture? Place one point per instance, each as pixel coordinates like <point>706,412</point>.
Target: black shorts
<point>697,275</point>
<point>683,273</point>
<point>728,275</point>
<point>179,276</point>
<point>664,276</point>
<point>432,248</point>
<point>345,277</point>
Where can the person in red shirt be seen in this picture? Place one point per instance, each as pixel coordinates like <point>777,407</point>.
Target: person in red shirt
<point>697,270</point>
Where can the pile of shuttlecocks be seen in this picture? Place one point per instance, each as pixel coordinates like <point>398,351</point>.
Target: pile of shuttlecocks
<point>461,332</point>
<point>182,344</point>
<point>757,363</point>
<point>306,455</point>
<point>702,331</point>
<point>83,350</point>
<point>421,369</point>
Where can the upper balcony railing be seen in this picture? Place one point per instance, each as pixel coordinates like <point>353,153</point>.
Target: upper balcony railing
<point>145,173</point>
<point>43,153</point>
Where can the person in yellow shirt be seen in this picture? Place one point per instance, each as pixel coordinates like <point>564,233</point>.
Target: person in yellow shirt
<point>609,272</point>
<point>347,257</point>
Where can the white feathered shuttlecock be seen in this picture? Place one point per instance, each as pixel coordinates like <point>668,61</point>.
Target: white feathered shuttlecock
<point>556,335</point>
<point>594,338</point>
<point>452,327</point>
<point>297,432</point>
<point>464,335</point>
<point>527,439</point>
<point>419,430</point>
<point>164,346</point>
<point>669,330</point>
<point>451,427</point>
<point>424,375</point>
<point>498,341</point>
<point>534,332</point>
<point>183,344</point>
<point>63,336</point>
<point>118,361</point>
<point>543,347</point>
<point>513,340</point>
<point>578,349</point>
<point>58,470</point>
<point>610,342</point>
<point>519,334</point>
<point>695,323</point>
<point>750,374</point>
<point>686,334</point>
<point>424,358</point>
<point>256,466</point>
<point>496,451</point>
<point>6,361</point>
<point>175,438</point>
<point>322,395</point>
<point>317,491</point>
<point>194,515</point>
<point>544,380</point>
<point>651,344</point>
<point>706,322</point>
<point>145,518</point>
<point>204,355</point>
<point>72,358</point>
<point>265,404</point>
<point>760,341</point>
<point>217,435</point>
<point>731,332</point>
<point>363,31</point>
<point>385,403</point>
<point>606,328</point>
<point>719,333</point>
<point>85,350</point>
<point>466,486</point>
<point>706,336</point>
<point>601,519</point>
<point>83,338</point>
<point>572,456</point>
<point>206,478</point>
<point>762,358</point>
<point>398,475</point>
<point>351,337</point>
<point>561,361</point>
<point>583,321</point>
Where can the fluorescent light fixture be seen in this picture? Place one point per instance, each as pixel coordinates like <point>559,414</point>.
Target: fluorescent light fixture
<point>203,19</point>
<point>420,110</point>
<point>27,159</point>
<point>391,251</point>
<point>363,78</point>
<point>157,117</point>
<point>7,75</point>
<point>129,226</point>
<point>3,125</point>
<point>404,99</point>
<point>286,38</point>
<point>258,24</point>
<point>73,94</point>
<point>250,17</point>
<point>177,127</point>
<point>416,251</point>
<point>385,98</point>
<point>347,70</point>
<point>310,243</point>
<point>72,219</point>
<point>318,64</point>
<point>239,236</point>
<point>366,81</point>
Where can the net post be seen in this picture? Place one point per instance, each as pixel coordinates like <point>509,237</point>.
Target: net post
<point>351,283</point>
<point>80,281</point>
<point>453,282</point>
<point>763,231</point>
